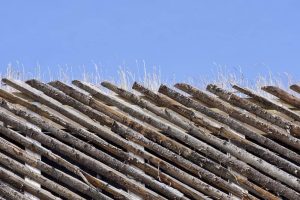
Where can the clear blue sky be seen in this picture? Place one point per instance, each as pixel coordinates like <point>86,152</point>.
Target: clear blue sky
<point>184,38</point>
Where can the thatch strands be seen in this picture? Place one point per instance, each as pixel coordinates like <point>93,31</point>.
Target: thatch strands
<point>192,144</point>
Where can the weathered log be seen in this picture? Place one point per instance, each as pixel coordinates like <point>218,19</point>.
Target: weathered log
<point>147,132</point>
<point>268,102</point>
<point>92,181</point>
<point>96,153</point>
<point>76,155</point>
<point>235,164</point>
<point>237,114</point>
<point>243,130</point>
<point>139,139</point>
<point>51,171</point>
<point>295,87</point>
<point>8,193</point>
<point>283,95</point>
<point>20,183</point>
<point>126,132</point>
<point>259,111</point>
<point>26,171</point>
<point>163,113</point>
<point>187,165</point>
<point>239,153</point>
<point>114,102</point>
<point>116,151</point>
<point>97,129</point>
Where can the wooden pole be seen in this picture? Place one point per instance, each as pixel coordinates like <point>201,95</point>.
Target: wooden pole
<point>283,95</point>
<point>20,183</point>
<point>8,193</point>
<point>78,156</point>
<point>237,165</point>
<point>101,131</point>
<point>51,171</point>
<point>268,102</point>
<point>259,111</point>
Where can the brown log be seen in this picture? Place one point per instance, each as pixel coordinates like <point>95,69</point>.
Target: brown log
<point>237,165</point>
<point>295,87</point>
<point>116,151</point>
<point>145,104</point>
<point>239,115</point>
<point>239,153</point>
<point>20,183</point>
<point>139,139</point>
<point>96,153</point>
<point>268,102</point>
<point>247,105</point>
<point>8,193</point>
<point>37,96</point>
<point>13,135</point>
<point>26,171</point>
<point>114,102</point>
<point>51,171</point>
<point>76,155</point>
<point>149,133</point>
<point>167,115</point>
<point>283,95</point>
<point>243,130</point>
<point>259,111</point>
<point>187,165</point>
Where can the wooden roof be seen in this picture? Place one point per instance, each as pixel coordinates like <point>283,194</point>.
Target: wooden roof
<point>60,141</point>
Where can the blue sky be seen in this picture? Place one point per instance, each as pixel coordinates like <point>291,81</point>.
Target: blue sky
<point>182,38</point>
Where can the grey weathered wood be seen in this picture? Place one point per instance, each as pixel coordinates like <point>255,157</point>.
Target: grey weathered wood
<point>51,171</point>
<point>116,151</point>
<point>244,117</point>
<point>8,193</point>
<point>148,132</point>
<point>99,130</point>
<point>239,153</point>
<point>20,183</point>
<point>283,95</point>
<point>295,87</point>
<point>268,102</point>
<point>26,171</point>
<point>177,159</point>
<point>263,141</point>
<point>259,111</point>
<point>237,165</point>
<point>167,115</point>
<point>90,180</point>
<point>91,150</point>
<point>78,156</point>
<point>137,114</point>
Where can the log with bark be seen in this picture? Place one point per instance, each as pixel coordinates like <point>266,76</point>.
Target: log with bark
<point>9,193</point>
<point>72,182</point>
<point>86,99</point>
<point>295,87</point>
<point>235,125</point>
<point>80,157</point>
<point>239,153</point>
<point>268,102</point>
<point>92,126</point>
<point>283,95</point>
<point>23,170</point>
<point>96,153</point>
<point>90,180</point>
<point>265,114</point>
<point>237,165</point>
<point>21,184</point>
<point>142,103</point>
<point>121,154</point>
